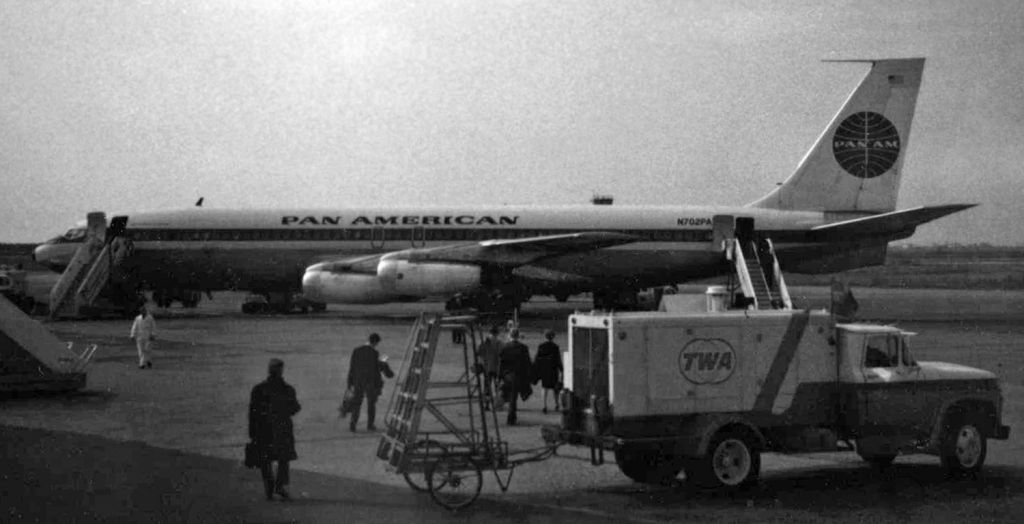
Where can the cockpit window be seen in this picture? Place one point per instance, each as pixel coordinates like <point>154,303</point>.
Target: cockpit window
<point>75,234</point>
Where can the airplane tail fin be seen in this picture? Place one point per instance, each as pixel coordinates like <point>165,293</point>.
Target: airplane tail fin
<point>856,164</point>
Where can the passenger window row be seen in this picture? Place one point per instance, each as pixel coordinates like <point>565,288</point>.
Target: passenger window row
<point>390,234</point>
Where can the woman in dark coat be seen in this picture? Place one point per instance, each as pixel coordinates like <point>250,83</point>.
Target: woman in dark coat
<point>271,407</point>
<point>547,368</point>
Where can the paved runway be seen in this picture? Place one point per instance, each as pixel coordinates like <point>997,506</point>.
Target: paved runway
<point>191,407</point>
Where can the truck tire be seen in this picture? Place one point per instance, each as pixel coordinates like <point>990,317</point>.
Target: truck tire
<point>733,461</point>
<point>647,465</point>
<point>963,446</point>
<point>882,460</point>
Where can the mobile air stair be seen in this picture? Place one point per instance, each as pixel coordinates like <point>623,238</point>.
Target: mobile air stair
<point>757,273</point>
<point>95,263</point>
<point>33,359</point>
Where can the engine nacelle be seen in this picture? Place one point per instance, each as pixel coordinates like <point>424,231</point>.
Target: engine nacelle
<point>401,277</point>
<point>332,287</point>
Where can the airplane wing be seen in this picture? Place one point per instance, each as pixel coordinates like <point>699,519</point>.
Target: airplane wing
<point>892,222</point>
<point>512,252</point>
<point>518,251</point>
<point>366,264</point>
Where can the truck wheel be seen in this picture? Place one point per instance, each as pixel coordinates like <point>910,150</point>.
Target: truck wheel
<point>732,461</point>
<point>963,446</point>
<point>647,465</point>
<point>882,460</point>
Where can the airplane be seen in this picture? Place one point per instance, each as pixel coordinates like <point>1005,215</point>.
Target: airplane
<point>837,211</point>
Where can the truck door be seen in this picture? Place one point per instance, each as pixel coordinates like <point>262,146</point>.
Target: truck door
<point>888,394</point>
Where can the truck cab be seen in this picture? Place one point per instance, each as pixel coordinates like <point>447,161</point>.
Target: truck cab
<point>708,392</point>
<point>892,403</point>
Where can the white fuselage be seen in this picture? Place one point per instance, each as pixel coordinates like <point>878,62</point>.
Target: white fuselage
<point>213,249</point>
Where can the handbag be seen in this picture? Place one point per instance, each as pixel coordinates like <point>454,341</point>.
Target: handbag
<point>252,458</point>
<point>348,402</point>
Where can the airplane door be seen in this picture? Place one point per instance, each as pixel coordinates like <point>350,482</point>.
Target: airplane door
<point>722,230</point>
<point>117,227</point>
<point>377,237</point>
<point>419,237</point>
<point>745,229</point>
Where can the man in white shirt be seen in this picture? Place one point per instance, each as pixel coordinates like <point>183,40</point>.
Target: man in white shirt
<point>144,332</point>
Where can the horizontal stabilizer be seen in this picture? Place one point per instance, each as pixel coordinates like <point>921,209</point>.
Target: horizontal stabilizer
<point>886,223</point>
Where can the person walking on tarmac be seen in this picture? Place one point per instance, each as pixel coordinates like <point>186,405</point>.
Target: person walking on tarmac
<point>490,356</point>
<point>515,374</point>
<point>271,407</point>
<point>547,368</point>
<point>364,379</point>
<point>144,332</point>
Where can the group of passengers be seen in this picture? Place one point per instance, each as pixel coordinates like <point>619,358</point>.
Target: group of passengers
<point>510,372</point>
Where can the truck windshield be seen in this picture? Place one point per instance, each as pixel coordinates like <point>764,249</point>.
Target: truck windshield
<point>887,350</point>
<point>882,351</point>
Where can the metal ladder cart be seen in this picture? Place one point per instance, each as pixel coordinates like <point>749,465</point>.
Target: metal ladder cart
<point>439,433</point>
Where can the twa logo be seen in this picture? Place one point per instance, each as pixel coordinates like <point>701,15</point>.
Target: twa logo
<point>707,361</point>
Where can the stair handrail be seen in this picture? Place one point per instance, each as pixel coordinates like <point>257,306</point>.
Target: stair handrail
<point>740,264</point>
<point>764,278</point>
<point>76,362</point>
<point>95,279</point>
<point>63,293</point>
<point>780,282</point>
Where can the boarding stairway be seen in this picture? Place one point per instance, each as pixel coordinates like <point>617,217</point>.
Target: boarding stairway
<point>102,252</point>
<point>410,440</point>
<point>757,271</point>
<point>33,359</point>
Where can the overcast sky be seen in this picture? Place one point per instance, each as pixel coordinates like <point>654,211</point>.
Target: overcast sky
<point>133,106</point>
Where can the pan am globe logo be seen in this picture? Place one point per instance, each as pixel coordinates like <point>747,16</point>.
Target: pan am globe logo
<point>866,144</point>
<point>707,361</point>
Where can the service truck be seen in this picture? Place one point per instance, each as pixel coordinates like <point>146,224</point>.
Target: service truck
<point>708,392</point>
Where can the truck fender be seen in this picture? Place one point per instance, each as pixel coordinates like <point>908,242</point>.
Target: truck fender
<point>704,428</point>
<point>984,406</point>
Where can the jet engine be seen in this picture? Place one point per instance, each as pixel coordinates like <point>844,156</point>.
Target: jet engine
<point>394,280</point>
<point>420,279</point>
<point>321,284</point>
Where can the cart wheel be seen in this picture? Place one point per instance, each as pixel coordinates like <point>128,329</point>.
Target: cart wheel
<point>431,451</point>
<point>454,481</point>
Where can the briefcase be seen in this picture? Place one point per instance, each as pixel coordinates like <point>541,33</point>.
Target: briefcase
<point>252,458</point>
<point>348,403</point>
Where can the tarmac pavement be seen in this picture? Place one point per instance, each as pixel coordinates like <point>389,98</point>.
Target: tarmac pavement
<point>165,444</point>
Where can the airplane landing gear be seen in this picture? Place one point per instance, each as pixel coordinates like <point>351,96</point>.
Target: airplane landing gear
<point>484,302</point>
<point>277,302</point>
<point>618,299</point>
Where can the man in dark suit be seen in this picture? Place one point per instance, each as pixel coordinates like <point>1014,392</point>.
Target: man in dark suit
<point>271,407</point>
<point>515,374</point>
<point>364,378</point>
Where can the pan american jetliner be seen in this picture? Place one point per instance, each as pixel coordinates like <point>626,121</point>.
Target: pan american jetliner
<point>837,211</point>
